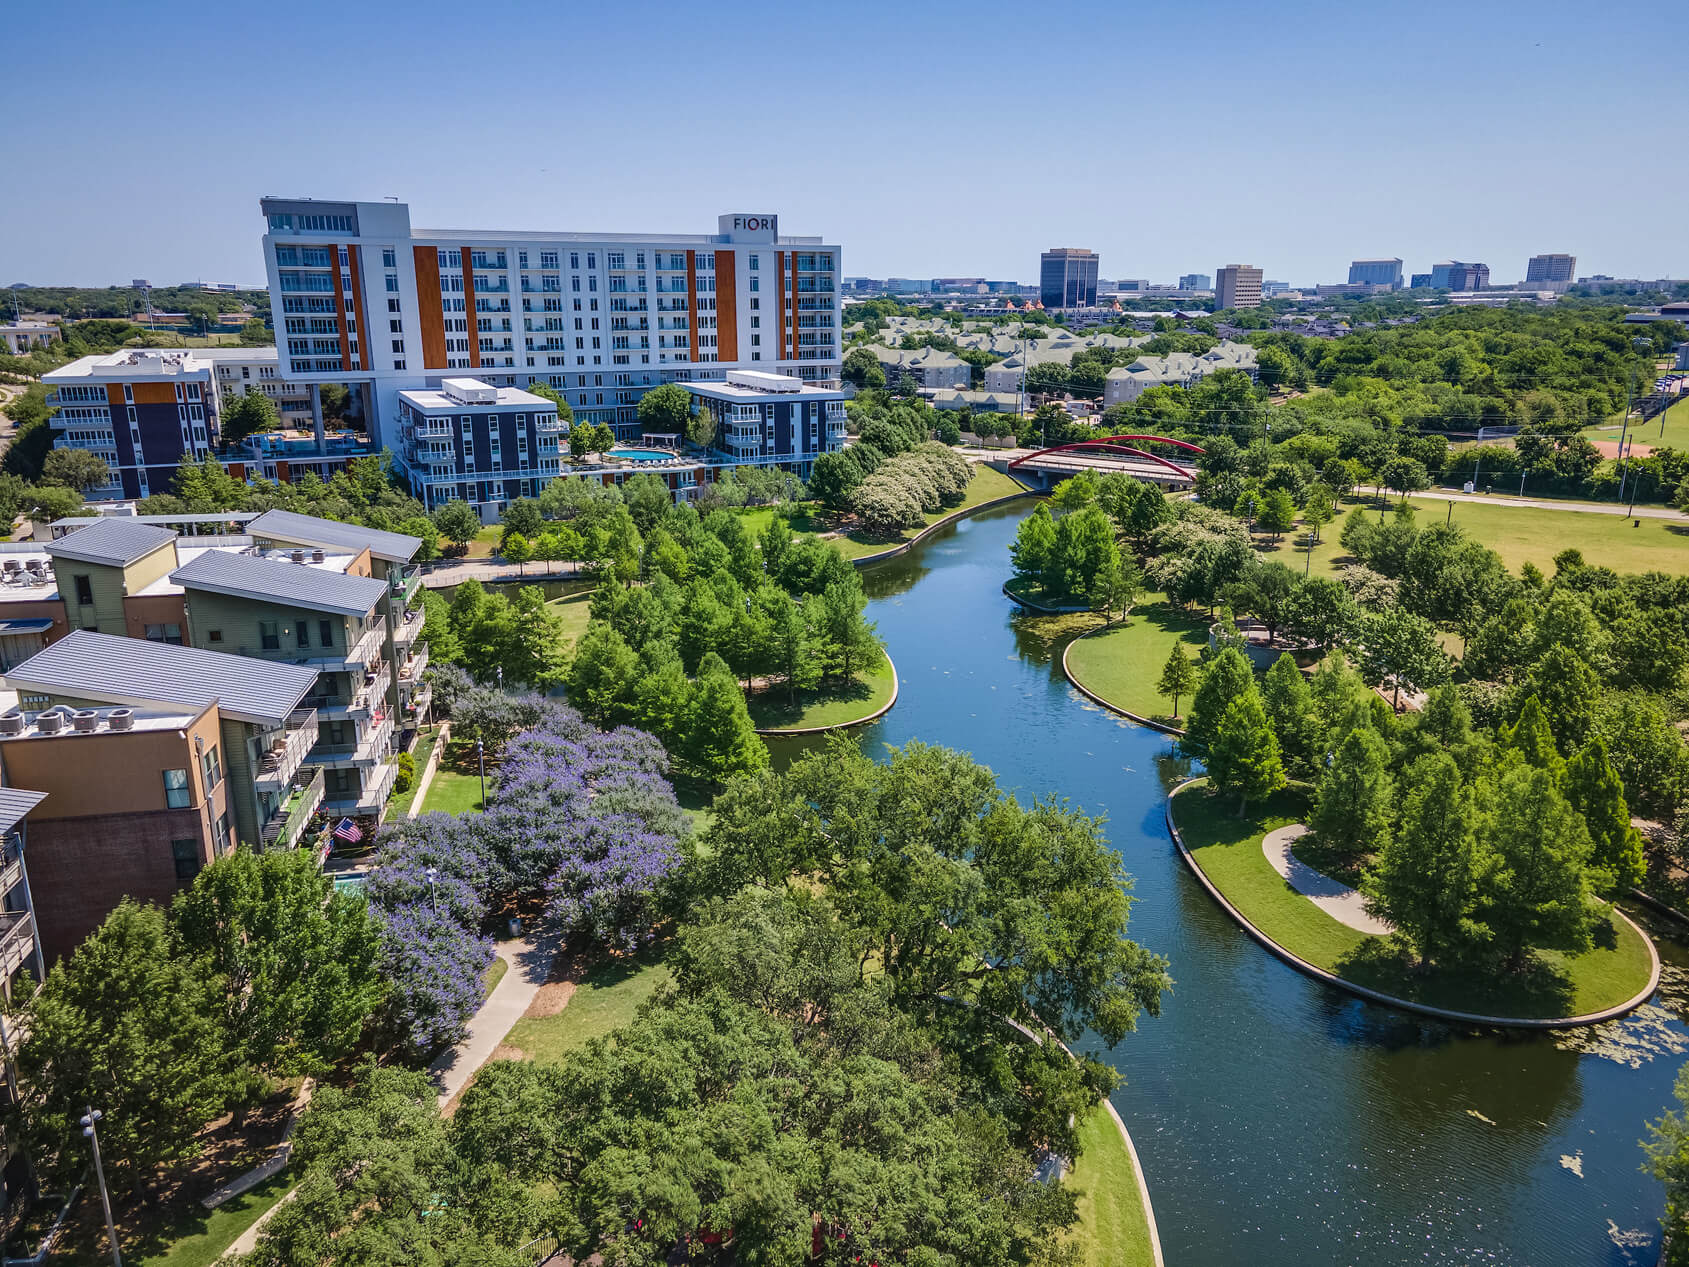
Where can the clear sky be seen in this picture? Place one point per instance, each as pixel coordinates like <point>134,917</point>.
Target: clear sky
<point>929,139</point>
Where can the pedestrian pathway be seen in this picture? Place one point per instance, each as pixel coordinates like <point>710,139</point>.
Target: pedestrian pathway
<point>1333,897</point>
<point>530,965</point>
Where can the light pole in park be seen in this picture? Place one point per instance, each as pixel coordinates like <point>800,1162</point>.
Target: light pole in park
<point>89,1119</point>
<point>433,874</point>
<point>481,761</point>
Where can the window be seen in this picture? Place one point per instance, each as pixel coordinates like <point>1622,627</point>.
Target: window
<point>754,281</point>
<point>269,635</point>
<point>185,854</point>
<point>755,261</point>
<point>389,258</point>
<point>177,794</point>
<point>392,305</point>
<point>214,635</point>
<point>84,590</point>
<point>302,631</point>
<point>393,282</point>
<point>224,833</point>
<point>165,633</point>
<point>325,632</point>
<point>212,766</point>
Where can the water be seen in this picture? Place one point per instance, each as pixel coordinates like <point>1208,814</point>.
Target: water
<point>1280,1121</point>
<point>641,455</point>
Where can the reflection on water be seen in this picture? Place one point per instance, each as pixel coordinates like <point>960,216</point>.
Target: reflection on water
<point>1281,1122</point>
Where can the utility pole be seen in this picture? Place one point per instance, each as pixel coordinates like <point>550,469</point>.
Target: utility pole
<point>88,1120</point>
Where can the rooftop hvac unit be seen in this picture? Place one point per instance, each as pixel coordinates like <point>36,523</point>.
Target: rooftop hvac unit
<point>118,718</point>
<point>85,720</point>
<point>11,722</point>
<point>50,723</point>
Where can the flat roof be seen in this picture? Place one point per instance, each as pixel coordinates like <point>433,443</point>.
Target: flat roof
<point>190,548</point>
<point>287,525</point>
<point>97,666</point>
<point>114,541</point>
<point>132,363</point>
<point>428,400</point>
<point>731,391</point>
<point>270,580</point>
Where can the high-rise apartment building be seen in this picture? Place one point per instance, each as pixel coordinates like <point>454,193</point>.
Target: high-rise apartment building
<point>1238,286</point>
<point>1380,272</point>
<point>1551,268</point>
<point>1195,281</point>
<point>1067,277</point>
<point>362,298</point>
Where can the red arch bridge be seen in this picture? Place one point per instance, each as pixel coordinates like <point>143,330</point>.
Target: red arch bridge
<point>1135,461</point>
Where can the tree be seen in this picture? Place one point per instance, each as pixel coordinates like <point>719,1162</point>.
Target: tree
<point>1289,704</point>
<point>886,505</point>
<point>701,427</point>
<point>720,740</point>
<point>1278,513</point>
<point>524,515</point>
<point>790,642</point>
<point>1317,512</point>
<point>1245,757</point>
<point>602,678</point>
<point>255,334</point>
<point>458,523</point>
<point>1115,585</point>
<point>1320,611</point>
<point>76,469</point>
<point>1425,881</point>
<point>1402,649</point>
<point>422,528</point>
<point>1034,546</point>
<point>834,479</point>
<point>1568,689</point>
<point>297,957</point>
<point>1667,1150</point>
<point>1405,475</point>
<point>1225,677</point>
<point>862,370</point>
<point>544,390</point>
<point>1267,591</point>
<point>1178,676</point>
<point>536,654</point>
<point>665,410</point>
<point>1595,791</point>
<point>130,1026</point>
<point>1539,890</point>
<point>847,640</point>
<point>1356,795</point>
<point>517,549</point>
<point>251,412</point>
<point>647,497</point>
<point>336,401</point>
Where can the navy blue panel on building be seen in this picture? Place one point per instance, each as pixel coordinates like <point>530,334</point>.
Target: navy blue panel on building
<point>469,441</point>
<point>772,419</point>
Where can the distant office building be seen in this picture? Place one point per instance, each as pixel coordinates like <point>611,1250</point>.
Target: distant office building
<point>1195,281</point>
<point>1067,278</point>
<point>24,335</point>
<point>1272,290</point>
<point>1376,273</point>
<point>1551,268</point>
<point>1131,285</point>
<point>1237,286</point>
<point>1420,281</point>
<point>1456,275</point>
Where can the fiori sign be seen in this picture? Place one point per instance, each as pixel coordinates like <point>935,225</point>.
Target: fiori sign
<point>746,227</point>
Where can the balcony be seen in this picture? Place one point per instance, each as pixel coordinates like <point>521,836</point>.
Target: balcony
<point>371,749</point>
<point>404,585</point>
<point>284,827</point>
<point>371,798</point>
<point>277,767</point>
<point>17,940</point>
<point>411,674</point>
<point>502,288</point>
<point>371,692</point>
<point>548,424</point>
<point>11,863</point>
<point>408,630</point>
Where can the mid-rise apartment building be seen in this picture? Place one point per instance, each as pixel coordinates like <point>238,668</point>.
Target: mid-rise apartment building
<point>156,759</point>
<point>1551,268</point>
<point>1238,286</point>
<point>765,419</point>
<point>362,298</point>
<point>1381,272</point>
<point>20,337</point>
<point>472,441</point>
<point>20,934</point>
<point>1067,277</point>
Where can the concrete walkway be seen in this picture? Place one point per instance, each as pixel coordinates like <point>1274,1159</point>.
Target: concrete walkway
<point>1545,503</point>
<point>1336,899</point>
<point>530,964</point>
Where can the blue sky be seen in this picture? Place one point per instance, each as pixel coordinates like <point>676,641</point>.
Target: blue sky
<point>929,139</point>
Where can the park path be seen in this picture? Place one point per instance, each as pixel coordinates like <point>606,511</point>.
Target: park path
<point>1333,897</point>
<point>1537,503</point>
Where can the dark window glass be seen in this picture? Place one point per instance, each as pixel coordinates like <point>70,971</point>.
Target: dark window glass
<point>185,854</point>
<point>84,591</point>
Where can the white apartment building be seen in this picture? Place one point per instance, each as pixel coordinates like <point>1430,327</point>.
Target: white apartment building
<point>21,336</point>
<point>362,298</point>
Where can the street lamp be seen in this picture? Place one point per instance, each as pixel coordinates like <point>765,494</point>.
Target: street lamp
<point>1522,475</point>
<point>433,874</point>
<point>92,1116</point>
<point>481,760</point>
<point>501,677</point>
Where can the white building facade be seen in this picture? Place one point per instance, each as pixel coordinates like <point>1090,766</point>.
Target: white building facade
<point>360,297</point>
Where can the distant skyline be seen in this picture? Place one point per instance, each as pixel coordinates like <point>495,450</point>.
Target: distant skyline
<point>1169,139</point>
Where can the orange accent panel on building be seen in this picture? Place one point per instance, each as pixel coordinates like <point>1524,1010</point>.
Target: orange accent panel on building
<point>692,302</point>
<point>354,254</point>
<point>470,320</point>
<point>114,395</point>
<point>726,307</point>
<point>141,610</point>
<point>340,307</point>
<point>152,393</point>
<point>428,307</point>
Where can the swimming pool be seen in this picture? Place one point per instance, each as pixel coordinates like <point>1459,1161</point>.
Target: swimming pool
<point>641,455</point>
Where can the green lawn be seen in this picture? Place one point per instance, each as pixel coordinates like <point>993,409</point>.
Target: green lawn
<point>494,974</point>
<point>192,1237</point>
<point>1112,1231</point>
<point>988,484</point>
<point>606,1000</point>
<point>400,806</point>
<point>576,610</point>
<point>1123,663</point>
<point>485,542</point>
<point>835,704</point>
<point>1228,849</point>
<point>456,785</point>
<point>1676,425</point>
<point>1520,535</point>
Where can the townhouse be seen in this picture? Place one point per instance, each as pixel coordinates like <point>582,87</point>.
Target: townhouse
<point>1126,383</point>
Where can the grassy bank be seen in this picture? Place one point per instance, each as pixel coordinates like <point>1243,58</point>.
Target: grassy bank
<point>576,611</point>
<point>605,1000</point>
<point>1121,664</point>
<point>988,484</point>
<point>456,785</point>
<point>1113,1230</point>
<point>834,704</point>
<point>1228,849</point>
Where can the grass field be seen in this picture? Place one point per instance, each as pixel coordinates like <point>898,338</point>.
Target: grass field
<point>1228,849</point>
<point>400,806</point>
<point>988,484</point>
<point>1112,1231</point>
<point>485,542</point>
<point>835,704</point>
<point>1676,423</point>
<point>456,785</point>
<point>1520,535</point>
<point>1123,663</point>
<point>576,610</point>
<point>604,1001</point>
<point>495,974</point>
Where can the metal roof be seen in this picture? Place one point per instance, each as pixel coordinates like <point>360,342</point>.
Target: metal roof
<point>15,802</point>
<point>97,666</point>
<point>275,581</point>
<point>113,542</point>
<point>285,525</point>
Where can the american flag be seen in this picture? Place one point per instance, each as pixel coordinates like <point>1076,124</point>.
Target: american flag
<point>348,831</point>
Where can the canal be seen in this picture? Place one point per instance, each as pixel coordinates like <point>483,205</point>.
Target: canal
<point>1281,1122</point>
